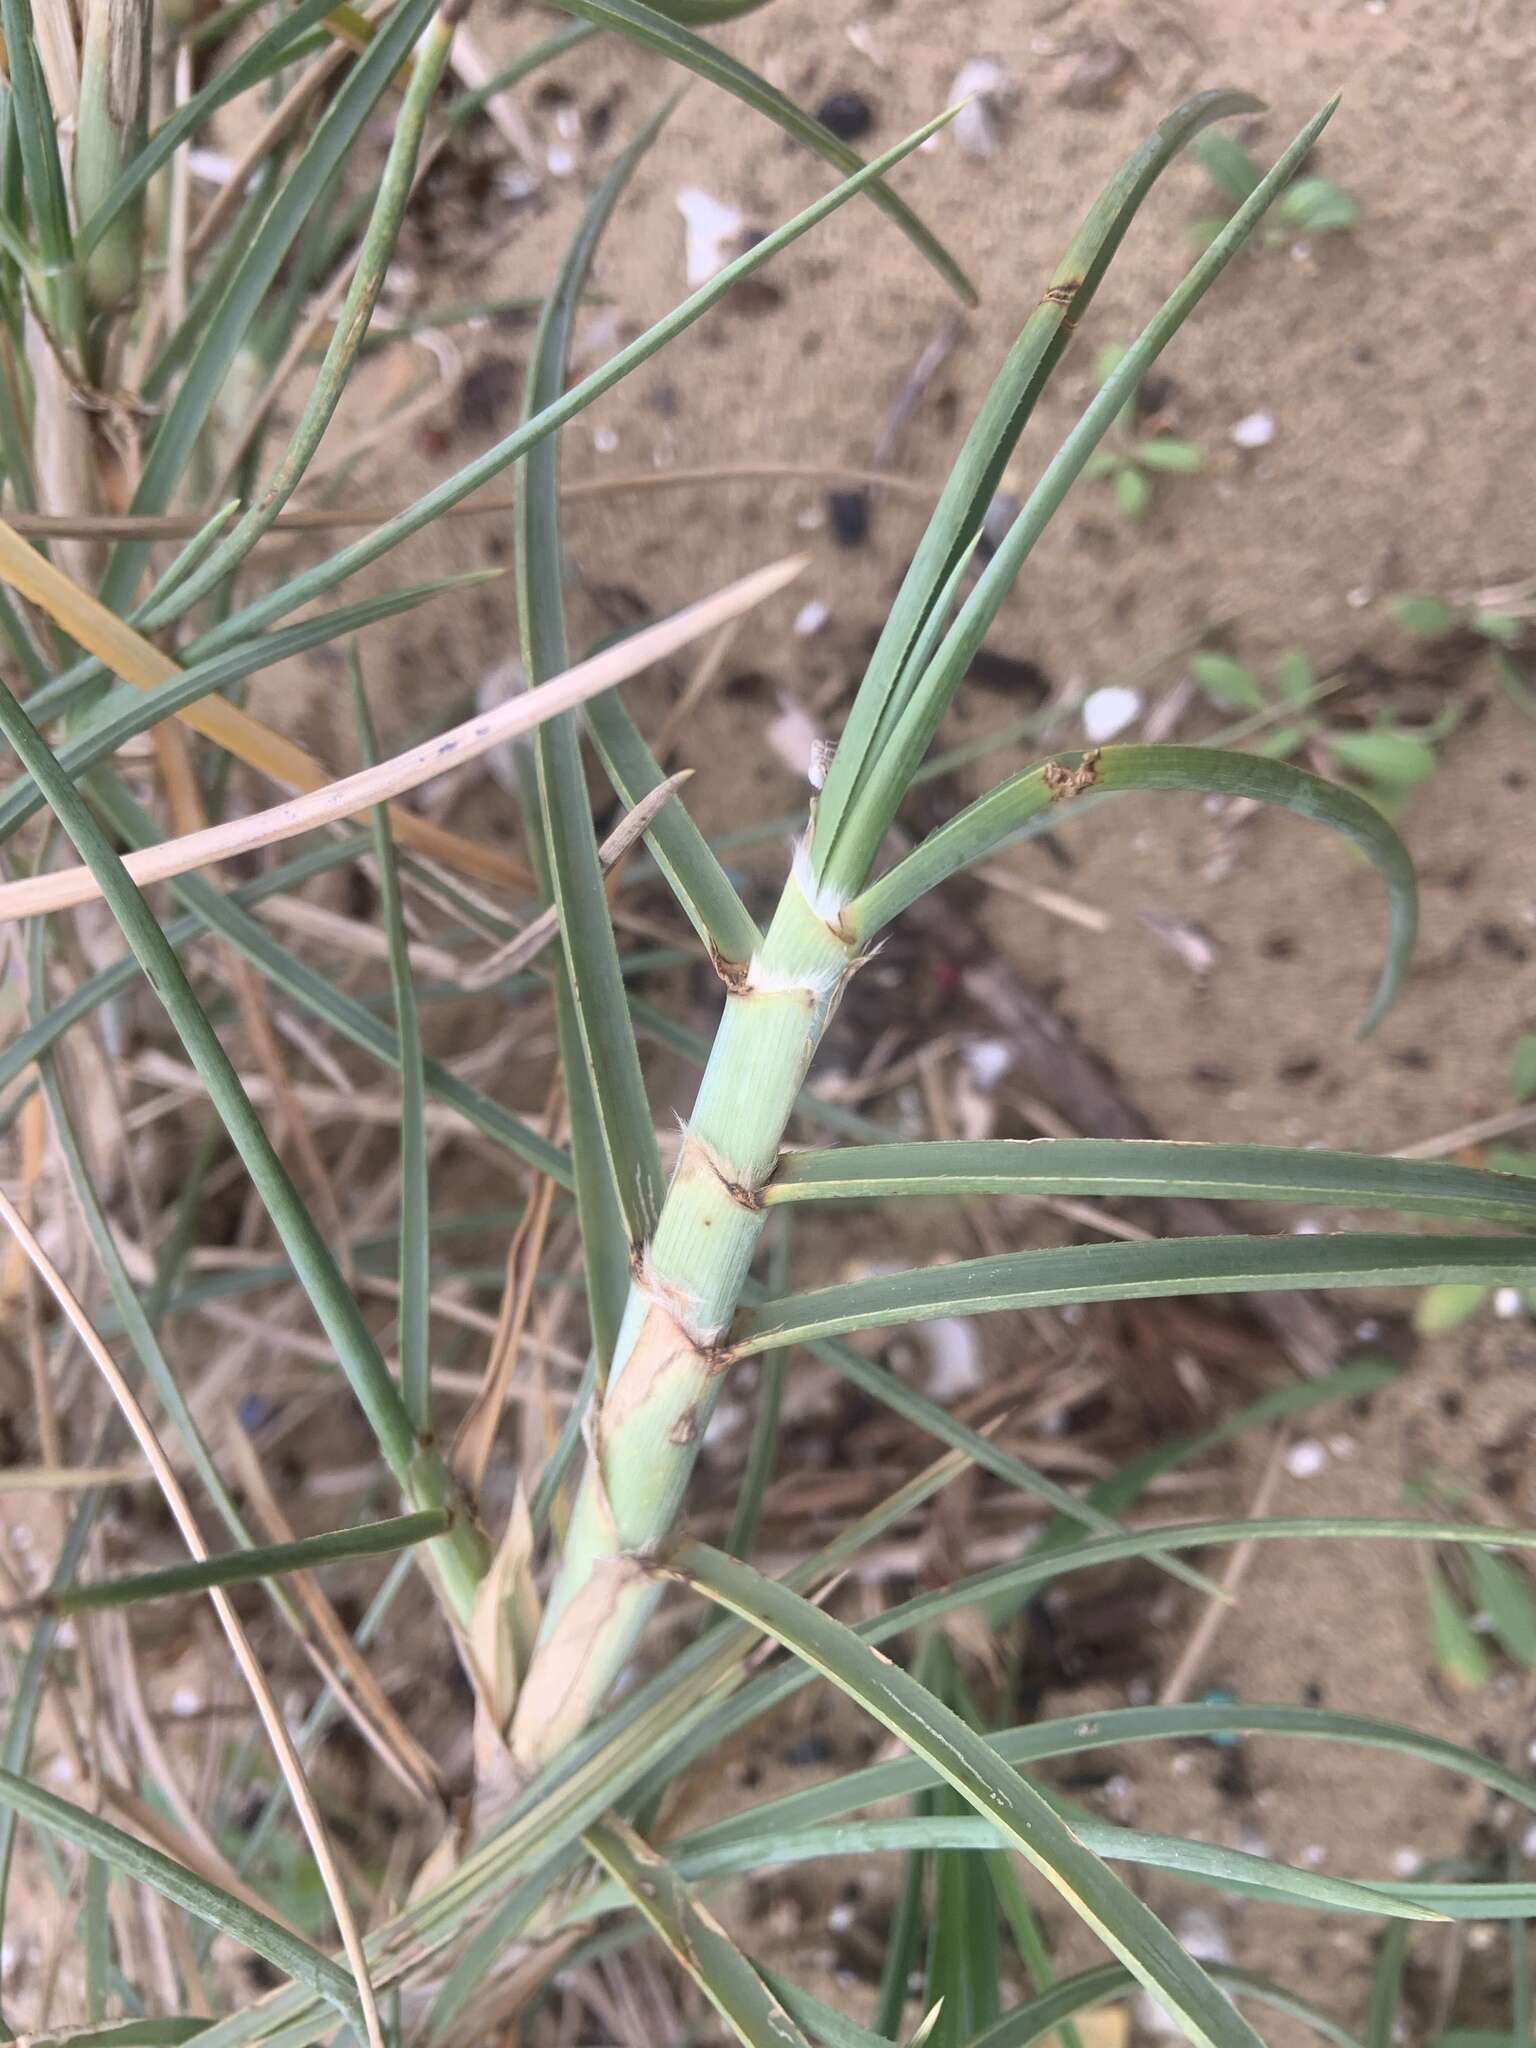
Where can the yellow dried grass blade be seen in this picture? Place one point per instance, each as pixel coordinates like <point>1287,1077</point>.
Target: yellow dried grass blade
<point>343,797</point>
<point>136,660</point>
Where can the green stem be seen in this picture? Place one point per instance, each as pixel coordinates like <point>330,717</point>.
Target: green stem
<point>688,1280</point>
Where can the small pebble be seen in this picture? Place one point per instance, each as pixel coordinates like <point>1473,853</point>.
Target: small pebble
<point>955,1364</point>
<point>1257,430</point>
<point>1508,1302</point>
<point>1313,1855</point>
<point>1305,1458</point>
<point>560,160</point>
<point>811,618</point>
<point>1358,598</point>
<point>848,114</point>
<point>988,1059</point>
<point>1109,711</point>
<point>604,440</point>
<point>1406,1863</point>
<point>185,1700</point>
<point>849,512</point>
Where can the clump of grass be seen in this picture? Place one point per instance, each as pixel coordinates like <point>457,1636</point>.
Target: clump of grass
<point>542,1573</point>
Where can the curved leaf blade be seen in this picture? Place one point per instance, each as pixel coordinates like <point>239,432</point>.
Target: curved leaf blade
<point>137,1861</point>
<point>1083,1734</point>
<point>1027,2024</point>
<point>989,822</point>
<point>1206,1862</point>
<point>972,1766</point>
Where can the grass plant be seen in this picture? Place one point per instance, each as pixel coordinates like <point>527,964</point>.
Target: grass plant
<point>140,326</point>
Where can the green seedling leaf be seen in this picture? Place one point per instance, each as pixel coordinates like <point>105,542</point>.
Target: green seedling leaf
<point>1177,458</point>
<point>978,470</point>
<point>1428,617</point>
<point>1381,2017</point>
<point>1499,627</point>
<point>1077,1736</point>
<point>1227,164</point>
<point>249,1567</point>
<point>945,1826</point>
<point>1522,1068</point>
<point>1295,677</point>
<point>1457,1646</point>
<point>1282,743</point>
<point>1226,682</point>
<point>1318,206</point>
<point>1041,2017</point>
<point>605,1037</point>
<point>413,1270</point>
<point>1505,1595</point>
<point>1392,758</point>
<point>678,847</point>
<point>1133,494</point>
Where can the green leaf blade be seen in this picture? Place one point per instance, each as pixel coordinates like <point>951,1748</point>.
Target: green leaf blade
<point>989,822</point>
<point>1152,1167</point>
<point>971,1765</point>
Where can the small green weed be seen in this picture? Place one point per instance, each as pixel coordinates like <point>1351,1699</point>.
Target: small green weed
<point>1133,460</point>
<point>1309,205</point>
<point>1386,760</point>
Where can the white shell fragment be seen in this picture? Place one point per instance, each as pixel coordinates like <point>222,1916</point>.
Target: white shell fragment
<point>709,228</point>
<point>1305,1458</point>
<point>1188,942</point>
<point>955,1366</point>
<point>1110,710</point>
<point>811,618</point>
<point>1255,430</point>
<point>986,86</point>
